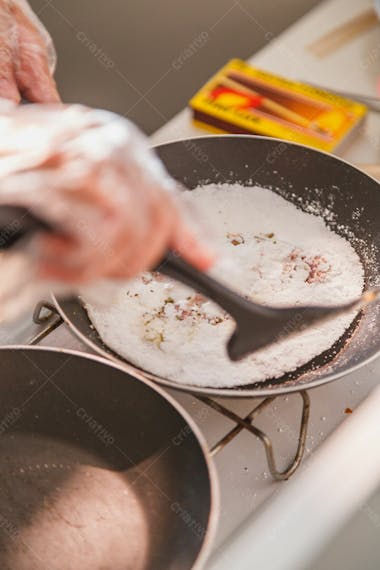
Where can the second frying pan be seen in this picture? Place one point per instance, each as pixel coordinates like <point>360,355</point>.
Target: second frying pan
<point>99,470</point>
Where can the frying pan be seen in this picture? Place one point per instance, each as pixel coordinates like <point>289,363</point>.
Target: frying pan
<point>99,470</point>
<point>314,181</point>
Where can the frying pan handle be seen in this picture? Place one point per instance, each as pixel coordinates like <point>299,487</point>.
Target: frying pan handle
<point>17,223</point>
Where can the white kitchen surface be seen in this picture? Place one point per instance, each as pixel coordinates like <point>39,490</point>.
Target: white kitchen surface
<point>355,68</point>
<point>265,524</point>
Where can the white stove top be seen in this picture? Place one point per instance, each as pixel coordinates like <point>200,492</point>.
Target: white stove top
<point>322,497</point>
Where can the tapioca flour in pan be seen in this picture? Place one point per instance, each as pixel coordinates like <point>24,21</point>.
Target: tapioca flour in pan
<point>268,250</point>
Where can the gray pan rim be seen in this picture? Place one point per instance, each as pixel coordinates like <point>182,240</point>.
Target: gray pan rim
<point>278,390</point>
<point>208,541</point>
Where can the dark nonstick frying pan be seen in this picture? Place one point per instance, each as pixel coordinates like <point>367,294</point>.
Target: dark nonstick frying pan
<point>314,181</point>
<point>99,469</point>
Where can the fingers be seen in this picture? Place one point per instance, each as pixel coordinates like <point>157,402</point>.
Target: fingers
<point>55,249</point>
<point>32,66</point>
<point>54,272</point>
<point>55,246</point>
<point>187,245</point>
<point>165,230</point>
<point>130,252</point>
<point>150,249</point>
<point>33,77</point>
<point>8,84</point>
<point>37,86</point>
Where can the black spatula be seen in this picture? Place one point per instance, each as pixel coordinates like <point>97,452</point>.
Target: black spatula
<point>256,325</point>
<point>17,223</point>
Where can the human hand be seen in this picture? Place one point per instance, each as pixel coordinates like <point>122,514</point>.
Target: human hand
<point>91,174</point>
<point>27,55</point>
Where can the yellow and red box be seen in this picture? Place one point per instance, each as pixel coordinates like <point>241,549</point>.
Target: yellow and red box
<point>244,99</point>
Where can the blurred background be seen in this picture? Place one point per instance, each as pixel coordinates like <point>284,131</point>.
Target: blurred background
<point>145,59</point>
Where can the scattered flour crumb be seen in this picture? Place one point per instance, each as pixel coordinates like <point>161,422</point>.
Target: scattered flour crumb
<point>270,251</point>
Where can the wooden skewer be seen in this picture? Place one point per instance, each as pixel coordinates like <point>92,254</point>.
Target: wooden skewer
<point>343,34</point>
<point>268,104</point>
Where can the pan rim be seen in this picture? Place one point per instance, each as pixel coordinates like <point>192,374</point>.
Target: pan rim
<point>213,518</point>
<point>278,390</point>
<point>266,138</point>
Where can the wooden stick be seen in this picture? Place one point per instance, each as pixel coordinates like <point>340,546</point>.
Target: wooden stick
<point>343,34</point>
<point>268,104</point>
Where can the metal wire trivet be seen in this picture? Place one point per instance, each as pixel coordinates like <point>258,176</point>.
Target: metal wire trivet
<point>46,315</point>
